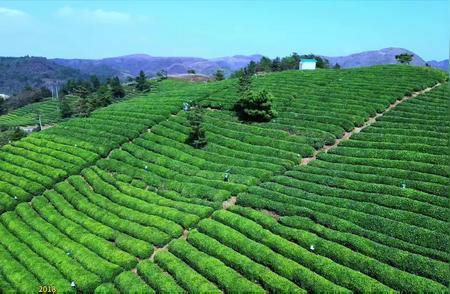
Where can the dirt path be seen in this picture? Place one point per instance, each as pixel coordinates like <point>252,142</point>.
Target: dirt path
<point>369,122</point>
<point>229,202</point>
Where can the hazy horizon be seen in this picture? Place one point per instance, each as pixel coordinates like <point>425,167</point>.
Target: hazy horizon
<point>97,29</point>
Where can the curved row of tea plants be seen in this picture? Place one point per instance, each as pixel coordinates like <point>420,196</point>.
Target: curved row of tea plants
<point>45,158</point>
<point>97,219</point>
<point>383,193</point>
<point>244,250</point>
<point>28,115</point>
<point>88,230</point>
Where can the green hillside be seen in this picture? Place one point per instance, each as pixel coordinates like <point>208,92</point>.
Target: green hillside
<point>119,202</point>
<point>28,115</point>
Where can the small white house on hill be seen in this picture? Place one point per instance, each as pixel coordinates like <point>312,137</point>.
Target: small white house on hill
<point>307,64</point>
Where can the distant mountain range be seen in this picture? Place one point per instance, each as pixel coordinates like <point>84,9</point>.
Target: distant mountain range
<point>443,64</point>
<point>130,65</point>
<point>375,57</point>
<point>16,72</point>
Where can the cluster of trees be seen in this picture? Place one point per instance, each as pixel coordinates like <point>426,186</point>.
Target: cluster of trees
<point>93,94</point>
<point>8,134</point>
<point>26,96</point>
<point>404,58</point>
<point>280,64</point>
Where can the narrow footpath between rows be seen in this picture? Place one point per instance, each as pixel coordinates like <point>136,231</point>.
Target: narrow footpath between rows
<point>232,200</point>
<point>368,123</point>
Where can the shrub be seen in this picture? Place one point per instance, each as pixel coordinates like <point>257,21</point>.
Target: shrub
<point>188,278</point>
<point>255,106</point>
<point>128,282</point>
<point>212,268</point>
<point>157,278</point>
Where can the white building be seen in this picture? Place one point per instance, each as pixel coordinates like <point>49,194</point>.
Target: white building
<point>4,96</point>
<point>307,64</point>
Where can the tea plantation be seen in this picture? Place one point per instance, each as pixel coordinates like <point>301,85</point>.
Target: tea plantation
<point>28,115</point>
<point>118,202</point>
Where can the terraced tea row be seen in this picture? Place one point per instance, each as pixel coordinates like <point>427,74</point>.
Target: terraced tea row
<point>36,163</point>
<point>247,251</point>
<point>106,217</point>
<point>88,230</point>
<point>28,115</point>
<point>383,193</point>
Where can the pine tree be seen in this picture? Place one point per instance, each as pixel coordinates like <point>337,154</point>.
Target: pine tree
<point>65,109</point>
<point>103,97</point>
<point>95,82</point>
<point>197,136</point>
<point>116,88</point>
<point>84,107</point>
<point>141,82</point>
<point>276,64</point>
<point>244,81</point>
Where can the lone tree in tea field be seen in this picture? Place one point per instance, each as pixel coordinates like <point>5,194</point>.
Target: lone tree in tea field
<point>404,58</point>
<point>197,136</point>
<point>255,106</point>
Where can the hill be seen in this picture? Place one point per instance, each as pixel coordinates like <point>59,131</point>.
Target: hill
<point>374,57</point>
<point>443,64</point>
<point>130,65</point>
<point>18,72</point>
<point>119,201</point>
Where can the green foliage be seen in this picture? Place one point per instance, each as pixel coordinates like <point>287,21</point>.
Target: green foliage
<point>188,278</point>
<point>262,254</point>
<point>212,268</point>
<point>116,88</point>
<point>106,288</point>
<point>131,283</point>
<point>404,58</point>
<point>321,61</point>
<point>245,80</point>
<point>243,264</point>
<point>374,208</point>
<point>65,108</point>
<point>17,134</point>
<point>197,136</point>
<point>191,71</point>
<point>219,75</point>
<point>95,82</point>
<point>162,74</point>
<point>255,106</point>
<point>157,279</point>
<point>141,82</point>
<point>3,107</point>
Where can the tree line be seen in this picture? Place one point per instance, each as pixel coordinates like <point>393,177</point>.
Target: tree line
<point>291,62</point>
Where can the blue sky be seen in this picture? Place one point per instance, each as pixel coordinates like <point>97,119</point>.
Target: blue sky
<point>97,29</point>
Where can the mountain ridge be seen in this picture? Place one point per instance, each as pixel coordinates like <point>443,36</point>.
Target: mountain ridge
<point>41,71</point>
